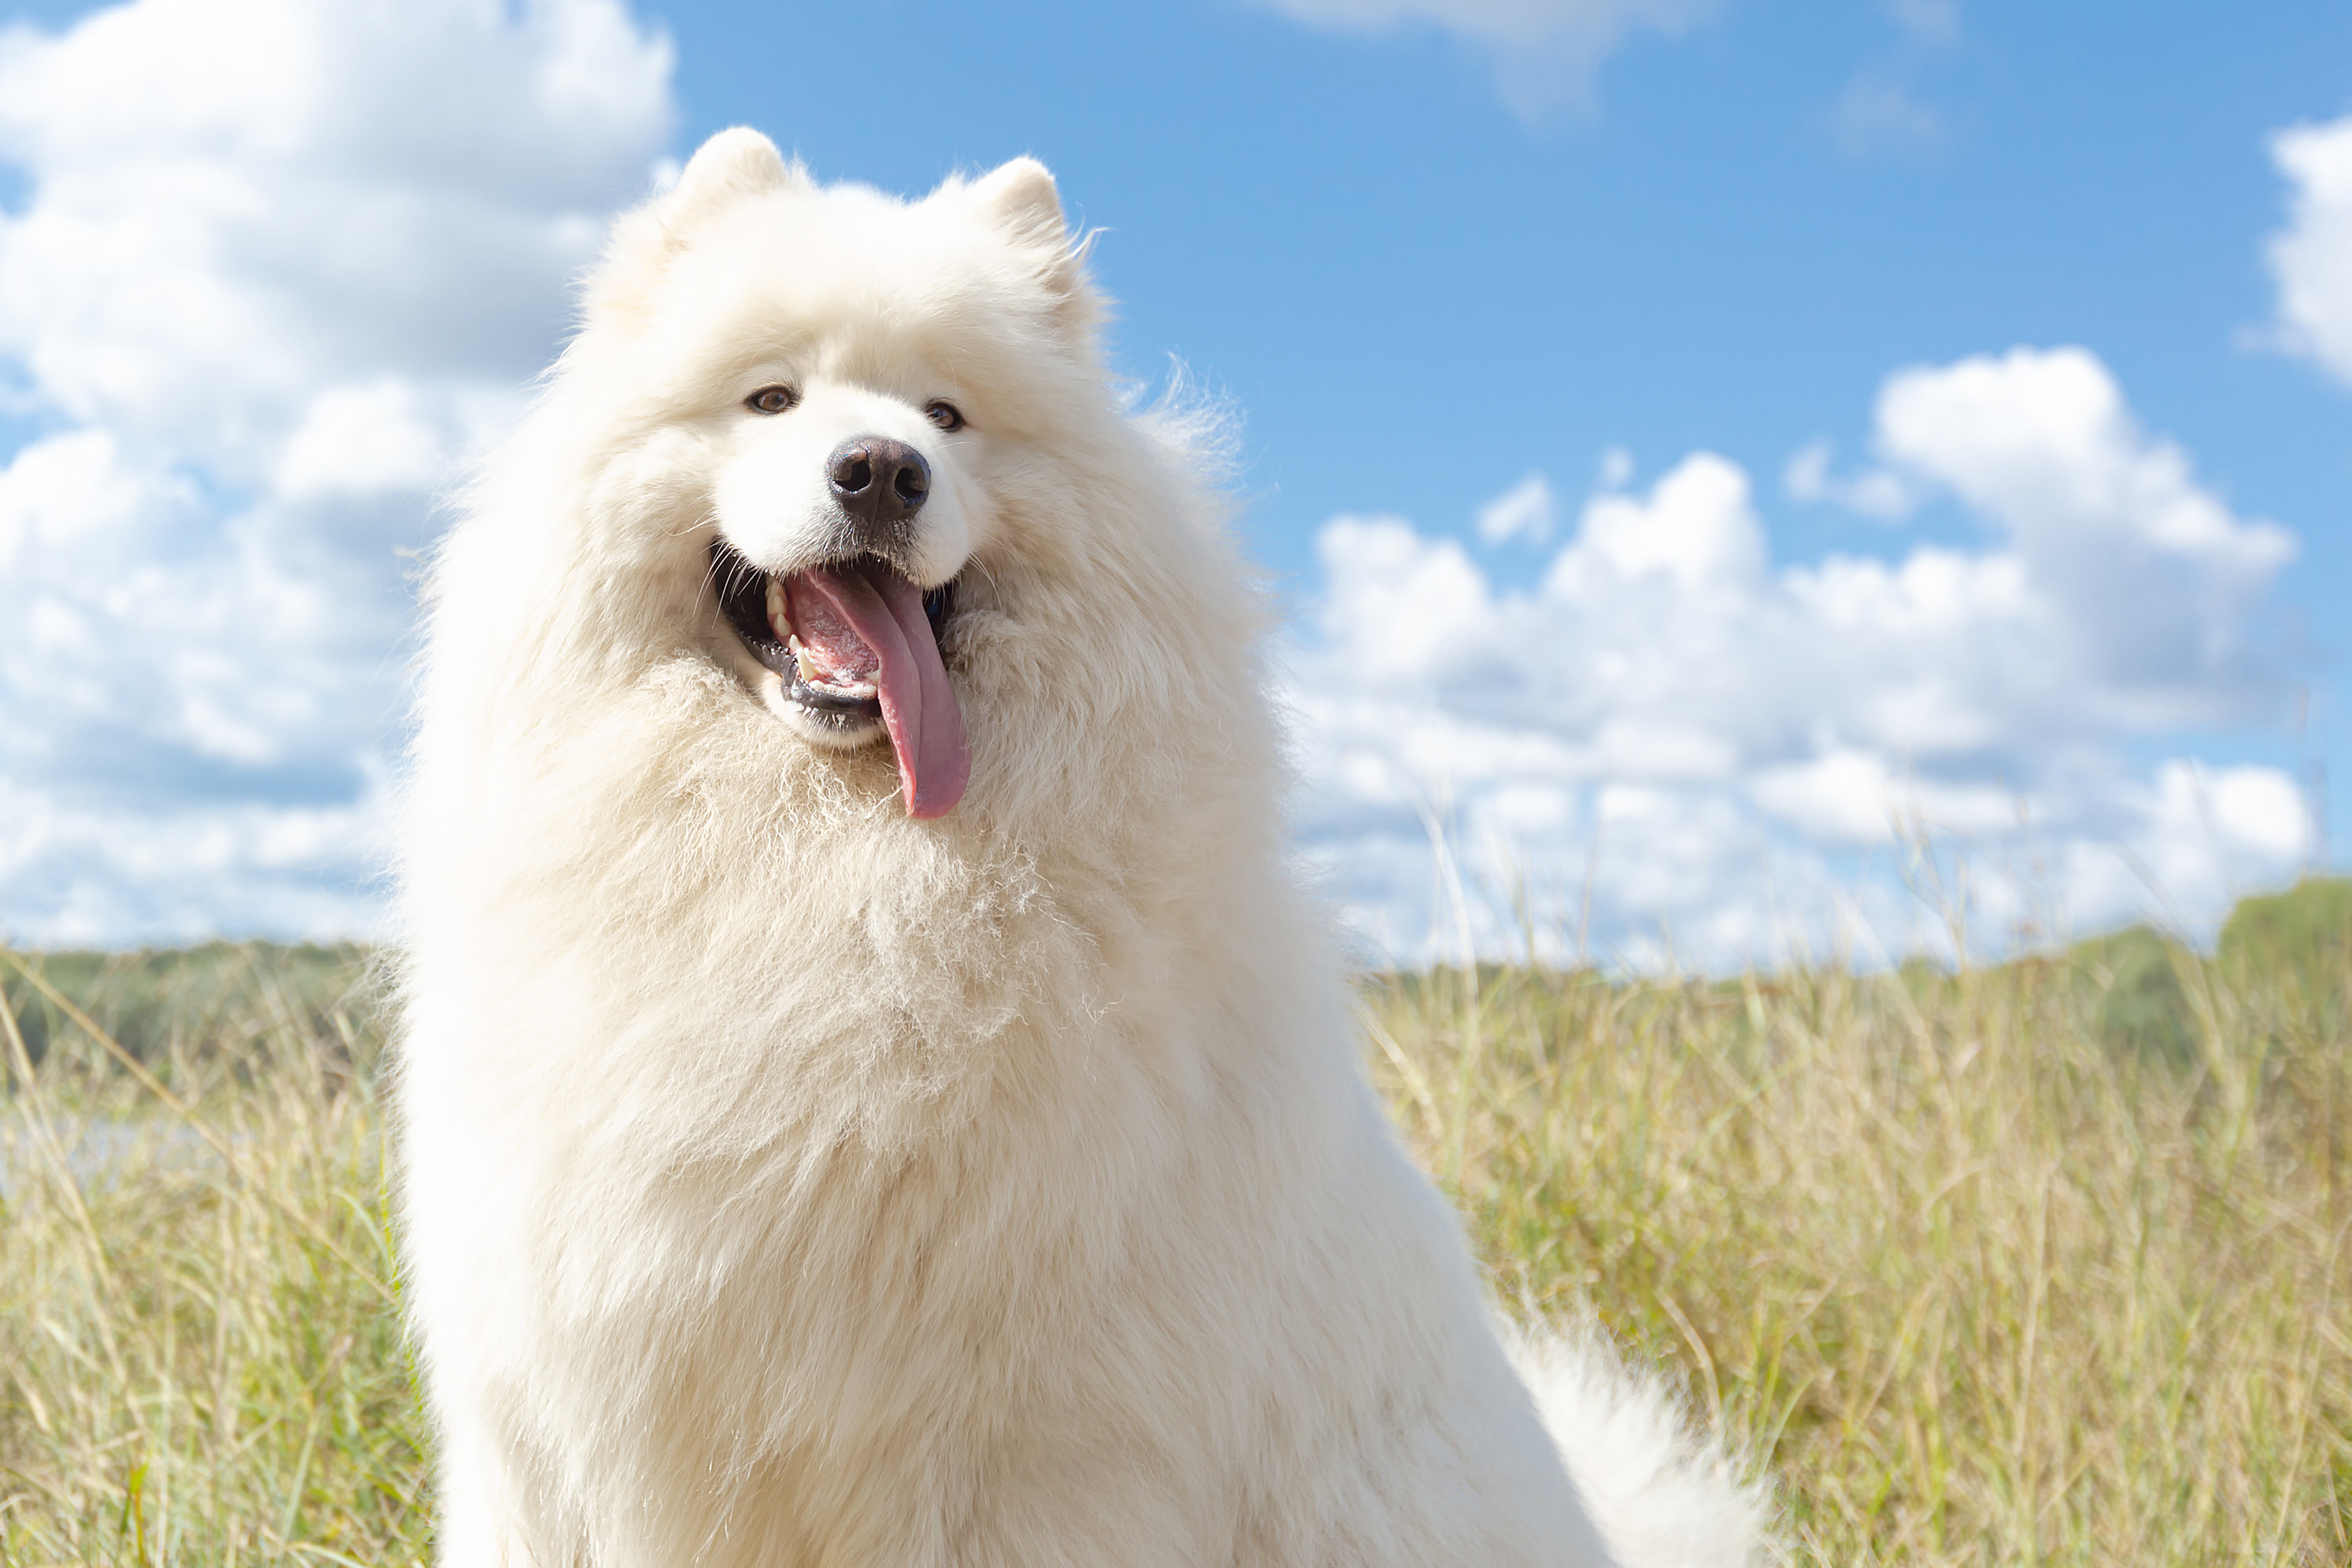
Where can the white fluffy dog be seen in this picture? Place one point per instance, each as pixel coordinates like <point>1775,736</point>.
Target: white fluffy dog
<point>869,1093</point>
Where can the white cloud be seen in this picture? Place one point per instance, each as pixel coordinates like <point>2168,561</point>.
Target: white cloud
<point>2150,579</point>
<point>261,306</point>
<point>185,872</point>
<point>2312,258</point>
<point>1879,494</point>
<point>58,489</point>
<point>1841,796</point>
<point>368,186</point>
<point>1527,510</point>
<point>1546,53</point>
<point>387,434</point>
<point>1714,739</point>
<point>1696,528</point>
<point>1934,22</point>
<point>1879,114</point>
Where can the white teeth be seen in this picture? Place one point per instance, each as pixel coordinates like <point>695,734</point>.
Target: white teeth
<point>779,616</point>
<point>816,674</point>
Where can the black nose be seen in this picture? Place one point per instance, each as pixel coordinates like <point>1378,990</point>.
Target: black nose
<point>877,480</point>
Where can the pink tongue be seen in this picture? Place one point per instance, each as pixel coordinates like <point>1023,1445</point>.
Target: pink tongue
<point>885,611</point>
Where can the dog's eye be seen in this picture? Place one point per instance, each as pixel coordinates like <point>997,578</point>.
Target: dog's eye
<point>771,400</point>
<point>944,415</point>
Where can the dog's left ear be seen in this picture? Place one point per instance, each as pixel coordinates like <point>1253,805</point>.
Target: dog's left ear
<point>1020,199</point>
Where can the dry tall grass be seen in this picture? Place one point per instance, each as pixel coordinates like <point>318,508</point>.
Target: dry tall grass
<point>1978,1286</point>
<point>1975,1277</point>
<point>199,1359</point>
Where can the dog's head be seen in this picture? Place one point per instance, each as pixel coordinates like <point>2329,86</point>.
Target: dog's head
<point>876,439</point>
<point>832,495</point>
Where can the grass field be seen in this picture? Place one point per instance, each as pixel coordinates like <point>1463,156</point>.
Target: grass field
<point>2045,1263</point>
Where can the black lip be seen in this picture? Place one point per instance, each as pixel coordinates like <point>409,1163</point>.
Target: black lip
<point>742,591</point>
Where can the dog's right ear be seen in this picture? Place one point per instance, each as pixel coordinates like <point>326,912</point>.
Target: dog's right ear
<point>736,165</point>
<point>733,165</point>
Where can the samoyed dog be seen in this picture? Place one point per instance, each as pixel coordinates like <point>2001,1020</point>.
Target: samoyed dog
<point>869,1092</point>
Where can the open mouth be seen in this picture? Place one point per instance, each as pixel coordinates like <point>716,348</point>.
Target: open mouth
<point>855,645</point>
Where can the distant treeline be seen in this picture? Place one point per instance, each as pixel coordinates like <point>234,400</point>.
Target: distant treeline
<point>2294,947</point>
<point>160,1001</point>
<point>2139,987</point>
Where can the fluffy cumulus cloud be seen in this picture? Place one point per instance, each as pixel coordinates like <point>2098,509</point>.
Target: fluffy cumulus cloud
<point>1667,743</point>
<point>2311,257</point>
<point>249,316</point>
<point>1545,53</point>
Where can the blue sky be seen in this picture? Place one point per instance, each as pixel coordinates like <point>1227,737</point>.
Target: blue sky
<point>1432,251</point>
<point>1385,265</point>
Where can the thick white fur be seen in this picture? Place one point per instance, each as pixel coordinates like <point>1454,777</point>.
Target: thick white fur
<point>789,1182</point>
